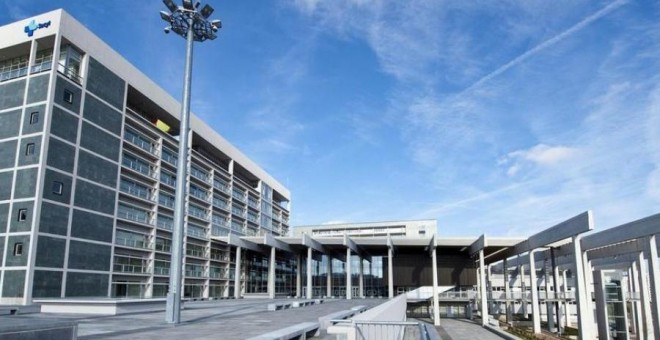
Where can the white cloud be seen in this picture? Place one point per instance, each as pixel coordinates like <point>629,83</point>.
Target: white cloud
<point>541,154</point>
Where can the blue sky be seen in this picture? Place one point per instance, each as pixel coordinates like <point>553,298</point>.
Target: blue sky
<point>497,117</point>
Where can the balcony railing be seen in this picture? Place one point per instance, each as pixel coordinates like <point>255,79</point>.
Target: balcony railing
<point>69,72</point>
<point>168,179</point>
<point>161,271</point>
<point>42,66</point>
<point>202,195</point>
<point>133,243</point>
<point>169,157</point>
<point>221,186</point>
<point>195,252</point>
<point>191,273</point>
<point>199,174</point>
<point>135,190</point>
<point>239,195</point>
<point>137,165</point>
<point>219,257</point>
<point>139,141</point>
<point>129,268</point>
<point>198,213</point>
<point>196,232</point>
<point>166,248</point>
<point>133,214</point>
<point>166,200</point>
<point>165,224</point>
<point>14,73</point>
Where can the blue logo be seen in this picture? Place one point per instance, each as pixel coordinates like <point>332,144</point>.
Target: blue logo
<point>33,26</point>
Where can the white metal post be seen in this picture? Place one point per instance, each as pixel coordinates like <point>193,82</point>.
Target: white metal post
<point>585,322</point>
<point>298,275</point>
<point>654,280</point>
<point>536,312</point>
<point>436,302</point>
<point>237,274</point>
<point>482,286</point>
<point>329,278</point>
<point>390,274</point>
<point>173,305</point>
<point>271,274</point>
<point>309,273</point>
<point>644,297</point>
<point>361,278</point>
<point>349,283</point>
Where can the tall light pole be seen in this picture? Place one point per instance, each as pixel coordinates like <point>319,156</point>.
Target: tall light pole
<point>187,22</point>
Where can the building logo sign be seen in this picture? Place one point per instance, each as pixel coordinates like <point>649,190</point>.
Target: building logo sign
<point>33,26</point>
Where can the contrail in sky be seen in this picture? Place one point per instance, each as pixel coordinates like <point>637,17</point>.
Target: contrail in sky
<point>538,48</point>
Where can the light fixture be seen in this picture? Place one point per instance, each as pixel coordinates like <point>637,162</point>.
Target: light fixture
<point>206,11</point>
<point>170,5</point>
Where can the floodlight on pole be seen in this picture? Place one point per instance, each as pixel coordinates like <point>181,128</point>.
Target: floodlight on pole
<point>187,22</point>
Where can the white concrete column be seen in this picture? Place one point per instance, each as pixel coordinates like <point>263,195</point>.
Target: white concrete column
<point>624,298</point>
<point>390,274</point>
<point>507,290</point>
<point>298,275</point>
<point>237,274</point>
<point>361,278</point>
<point>654,280</point>
<point>584,313</point>
<point>644,297</point>
<point>523,292</point>
<point>349,283</point>
<point>557,305</point>
<point>482,285</point>
<point>271,274</point>
<point>601,305</point>
<point>639,313</point>
<point>436,301</point>
<point>328,278</point>
<point>631,289</point>
<point>565,290</point>
<point>309,273</point>
<point>536,311</point>
<point>549,306</point>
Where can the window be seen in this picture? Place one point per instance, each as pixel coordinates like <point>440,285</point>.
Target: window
<point>29,149</point>
<point>68,96</point>
<point>34,117</point>
<point>58,188</point>
<point>422,232</point>
<point>22,214</point>
<point>18,249</point>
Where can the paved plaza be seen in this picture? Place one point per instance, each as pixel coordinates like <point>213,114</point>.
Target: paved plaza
<point>222,319</point>
<point>229,319</point>
<point>457,329</point>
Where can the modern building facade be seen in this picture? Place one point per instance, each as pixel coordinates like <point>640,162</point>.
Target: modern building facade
<point>88,156</point>
<point>411,228</point>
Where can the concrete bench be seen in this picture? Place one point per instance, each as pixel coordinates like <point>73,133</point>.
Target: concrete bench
<point>359,309</point>
<point>297,331</point>
<point>326,321</point>
<point>278,306</point>
<point>297,304</point>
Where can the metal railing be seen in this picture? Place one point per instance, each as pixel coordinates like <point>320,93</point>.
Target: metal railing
<point>161,271</point>
<point>131,242</point>
<point>129,268</point>
<point>384,330</point>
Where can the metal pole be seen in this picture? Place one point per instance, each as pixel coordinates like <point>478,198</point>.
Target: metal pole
<point>173,308</point>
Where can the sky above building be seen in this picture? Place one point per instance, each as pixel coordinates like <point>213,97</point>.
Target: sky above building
<point>497,117</point>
